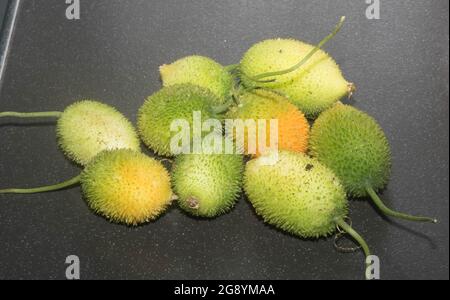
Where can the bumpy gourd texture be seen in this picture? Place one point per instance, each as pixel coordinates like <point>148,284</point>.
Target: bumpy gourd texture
<point>207,185</point>
<point>293,127</point>
<point>201,71</point>
<point>126,187</point>
<point>314,87</point>
<point>354,146</point>
<point>176,102</point>
<point>297,194</point>
<point>88,127</point>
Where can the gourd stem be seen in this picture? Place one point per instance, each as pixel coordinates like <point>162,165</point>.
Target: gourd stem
<point>46,114</point>
<point>222,108</point>
<point>232,68</point>
<point>389,212</point>
<point>358,238</point>
<point>44,189</point>
<point>259,78</point>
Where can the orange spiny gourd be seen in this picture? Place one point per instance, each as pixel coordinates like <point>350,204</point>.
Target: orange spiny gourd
<point>293,127</point>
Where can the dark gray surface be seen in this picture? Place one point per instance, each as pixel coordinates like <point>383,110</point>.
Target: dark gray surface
<point>400,64</point>
<point>3,5</point>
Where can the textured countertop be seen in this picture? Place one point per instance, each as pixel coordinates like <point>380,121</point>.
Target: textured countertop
<point>3,5</point>
<point>400,64</point>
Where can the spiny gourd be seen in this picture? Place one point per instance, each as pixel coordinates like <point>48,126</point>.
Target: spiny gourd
<point>87,127</point>
<point>353,145</point>
<point>293,127</point>
<point>314,85</point>
<point>207,185</point>
<point>201,71</point>
<point>177,102</point>
<point>298,195</point>
<point>124,186</point>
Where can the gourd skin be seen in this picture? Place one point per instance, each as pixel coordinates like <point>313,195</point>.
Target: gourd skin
<point>87,128</point>
<point>293,127</point>
<point>126,187</point>
<point>297,194</point>
<point>313,88</point>
<point>177,102</point>
<point>207,185</point>
<point>354,146</point>
<point>201,71</point>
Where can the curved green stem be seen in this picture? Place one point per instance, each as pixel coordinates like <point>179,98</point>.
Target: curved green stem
<point>46,114</point>
<point>232,68</point>
<point>358,238</point>
<point>248,88</point>
<point>392,213</point>
<point>222,108</point>
<point>322,43</point>
<point>44,189</point>
<point>262,88</point>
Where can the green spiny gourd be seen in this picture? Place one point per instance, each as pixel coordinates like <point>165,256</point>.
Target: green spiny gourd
<point>314,84</point>
<point>354,146</point>
<point>299,195</point>
<point>296,194</point>
<point>124,186</point>
<point>207,185</point>
<point>87,128</point>
<point>201,71</point>
<point>177,102</point>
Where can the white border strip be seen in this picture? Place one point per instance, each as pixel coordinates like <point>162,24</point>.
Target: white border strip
<point>10,22</point>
